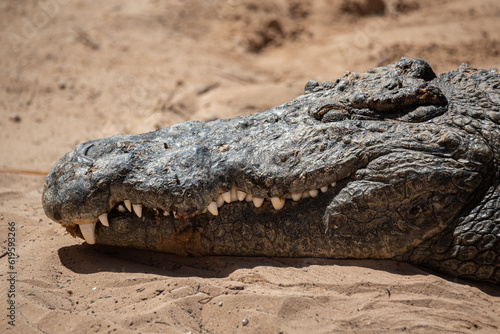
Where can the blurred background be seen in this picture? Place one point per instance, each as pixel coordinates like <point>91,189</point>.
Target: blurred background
<point>77,70</point>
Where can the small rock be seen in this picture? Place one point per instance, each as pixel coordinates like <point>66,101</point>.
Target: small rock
<point>14,117</point>
<point>244,321</point>
<point>220,303</point>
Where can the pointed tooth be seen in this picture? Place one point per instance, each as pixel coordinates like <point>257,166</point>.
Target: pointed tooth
<point>220,201</point>
<point>305,194</point>
<point>278,203</point>
<point>88,232</point>
<point>257,201</point>
<point>176,215</point>
<point>313,193</point>
<point>241,195</point>
<point>296,196</point>
<point>333,184</point>
<point>128,205</point>
<point>137,209</point>
<point>104,219</point>
<point>166,213</point>
<point>324,189</point>
<point>212,207</point>
<point>121,208</point>
<point>226,196</point>
<point>234,195</point>
<point>249,198</point>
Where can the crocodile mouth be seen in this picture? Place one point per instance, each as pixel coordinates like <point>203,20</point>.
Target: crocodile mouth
<point>126,207</point>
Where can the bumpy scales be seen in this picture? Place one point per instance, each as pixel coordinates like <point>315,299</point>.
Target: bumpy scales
<point>394,163</point>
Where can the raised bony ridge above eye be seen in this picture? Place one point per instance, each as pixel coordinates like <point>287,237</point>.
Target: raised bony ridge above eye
<point>405,91</point>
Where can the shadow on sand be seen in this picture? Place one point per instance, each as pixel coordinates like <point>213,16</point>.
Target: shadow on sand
<point>85,259</point>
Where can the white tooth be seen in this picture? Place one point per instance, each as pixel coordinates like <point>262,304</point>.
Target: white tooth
<point>324,189</point>
<point>137,209</point>
<point>128,204</point>
<point>121,208</point>
<point>166,213</point>
<point>305,194</point>
<point>249,198</point>
<point>220,201</point>
<point>278,203</point>
<point>227,196</point>
<point>297,196</point>
<point>212,207</point>
<point>333,184</point>
<point>257,201</point>
<point>234,195</point>
<point>88,232</point>
<point>176,215</point>
<point>241,195</point>
<point>313,193</point>
<point>104,219</point>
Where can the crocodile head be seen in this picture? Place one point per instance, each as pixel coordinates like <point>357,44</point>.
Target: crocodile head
<point>369,166</point>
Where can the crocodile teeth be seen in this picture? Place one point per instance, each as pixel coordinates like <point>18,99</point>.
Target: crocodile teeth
<point>137,209</point>
<point>88,232</point>
<point>212,207</point>
<point>226,196</point>
<point>257,201</point>
<point>333,184</point>
<point>241,195</point>
<point>278,203</point>
<point>230,196</point>
<point>220,201</point>
<point>104,219</point>
<point>128,204</point>
<point>234,195</point>
<point>313,193</point>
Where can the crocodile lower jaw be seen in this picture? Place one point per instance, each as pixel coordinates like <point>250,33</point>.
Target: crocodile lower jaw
<point>87,227</point>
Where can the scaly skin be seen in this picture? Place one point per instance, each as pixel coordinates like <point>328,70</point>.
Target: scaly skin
<point>414,160</point>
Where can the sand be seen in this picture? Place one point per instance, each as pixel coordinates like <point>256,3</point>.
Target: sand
<point>78,70</point>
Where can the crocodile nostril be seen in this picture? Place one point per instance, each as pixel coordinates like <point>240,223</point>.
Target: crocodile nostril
<point>88,150</point>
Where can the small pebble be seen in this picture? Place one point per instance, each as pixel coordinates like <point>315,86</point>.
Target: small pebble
<point>220,303</point>
<point>14,117</point>
<point>245,321</point>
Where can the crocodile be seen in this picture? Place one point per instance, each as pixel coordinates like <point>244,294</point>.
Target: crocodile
<point>394,163</point>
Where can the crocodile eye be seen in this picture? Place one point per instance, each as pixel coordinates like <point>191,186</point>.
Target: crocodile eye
<point>414,211</point>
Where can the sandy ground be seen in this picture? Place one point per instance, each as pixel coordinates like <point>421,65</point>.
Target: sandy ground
<point>72,71</point>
